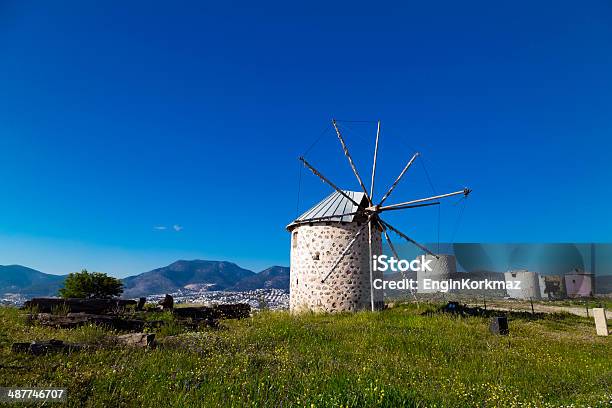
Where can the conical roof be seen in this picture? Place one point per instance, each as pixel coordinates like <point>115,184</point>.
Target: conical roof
<point>333,206</point>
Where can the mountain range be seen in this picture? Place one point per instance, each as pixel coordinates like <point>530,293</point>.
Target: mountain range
<point>217,275</point>
<point>23,280</point>
<point>193,274</point>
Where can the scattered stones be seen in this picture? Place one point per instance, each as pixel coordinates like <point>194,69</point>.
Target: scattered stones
<point>94,306</point>
<point>167,303</point>
<point>202,312</point>
<point>141,303</point>
<point>222,311</point>
<point>137,340</point>
<point>499,325</point>
<point>462,310</point>
<point>45,347</point>
<point>73,320</point>
<point>233,311</point>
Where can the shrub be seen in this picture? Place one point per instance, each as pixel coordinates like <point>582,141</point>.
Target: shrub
<point>91,285</point>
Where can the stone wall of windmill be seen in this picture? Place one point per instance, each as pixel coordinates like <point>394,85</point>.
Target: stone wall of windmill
<point>314,250</point>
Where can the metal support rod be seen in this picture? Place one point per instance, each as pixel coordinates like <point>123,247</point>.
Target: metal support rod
<point>350,159</point>
<point>325,179</point>
<point>397,180</point>
<point>370,263</point>
<point>403,205</point>
<point>374,163</point>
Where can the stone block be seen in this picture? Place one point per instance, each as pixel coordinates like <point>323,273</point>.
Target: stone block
<point>601,324</point>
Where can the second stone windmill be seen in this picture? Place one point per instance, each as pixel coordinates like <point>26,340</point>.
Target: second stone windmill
<point>331,253</point>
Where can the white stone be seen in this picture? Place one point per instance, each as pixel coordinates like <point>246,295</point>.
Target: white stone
<point>601,324</point>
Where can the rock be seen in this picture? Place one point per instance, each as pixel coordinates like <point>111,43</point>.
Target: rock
<point>45,347</point>
<point>201,312</point>
<point>499,325</point>
<point>222,311</point>
<point>167,303</point>
<point>73,320</point>
<point>95,306</point>
<point>601,323</point>
<point>234,310</point>
<point>137,339</point>
<point>141,304</point>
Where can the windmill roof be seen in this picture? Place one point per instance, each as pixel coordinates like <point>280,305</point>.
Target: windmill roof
<point>333,206</point>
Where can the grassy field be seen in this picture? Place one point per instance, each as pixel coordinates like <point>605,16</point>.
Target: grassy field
<point>391,359</point>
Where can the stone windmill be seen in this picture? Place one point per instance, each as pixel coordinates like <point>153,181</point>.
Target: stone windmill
<point>331,256</point>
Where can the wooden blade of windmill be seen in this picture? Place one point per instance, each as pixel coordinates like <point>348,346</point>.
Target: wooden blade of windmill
<point>406,206</point>
<point>388,239</point>
<point>350,159</point>
<point>374,162</point>
<point>397,180</point>
<point>410,204</point>
<point>341,256</point>
<point>407,238</point>
<point>325,179</point>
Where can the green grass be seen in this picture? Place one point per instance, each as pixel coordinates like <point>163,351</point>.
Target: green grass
<point>393,358</point>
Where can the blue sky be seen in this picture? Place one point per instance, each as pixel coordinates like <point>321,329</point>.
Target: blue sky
<point>118,118</point>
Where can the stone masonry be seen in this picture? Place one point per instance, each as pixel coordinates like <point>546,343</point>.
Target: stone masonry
<point>314,249</point>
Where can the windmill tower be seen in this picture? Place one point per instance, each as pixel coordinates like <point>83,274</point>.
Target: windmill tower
<point>333,243</point>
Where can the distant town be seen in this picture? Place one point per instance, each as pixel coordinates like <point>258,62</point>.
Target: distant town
<point>274,299</point>
<point>258,299</point>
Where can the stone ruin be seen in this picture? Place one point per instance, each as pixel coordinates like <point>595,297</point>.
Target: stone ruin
<point>115,314</point>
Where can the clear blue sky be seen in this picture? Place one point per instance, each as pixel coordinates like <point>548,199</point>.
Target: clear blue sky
<point>119,118</point>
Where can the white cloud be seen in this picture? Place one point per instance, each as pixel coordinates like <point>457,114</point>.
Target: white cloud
<point>175,227</point>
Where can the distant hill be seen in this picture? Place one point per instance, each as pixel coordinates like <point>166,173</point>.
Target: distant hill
<point>219,275</point>
<point>603,284</point>
<point>275,277</point>
<point>28,281</point>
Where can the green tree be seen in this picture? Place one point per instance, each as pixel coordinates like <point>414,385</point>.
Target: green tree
<point>91,285</point>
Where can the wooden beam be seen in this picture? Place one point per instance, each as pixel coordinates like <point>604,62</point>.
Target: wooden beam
<point>397,180</point>
<point>377,209</point>
<point>408,204</point>
<point>325,179</point>
<point>407,238</point>
<point>350,159</point>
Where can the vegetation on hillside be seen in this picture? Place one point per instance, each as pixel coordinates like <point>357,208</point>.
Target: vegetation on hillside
<point>398,357</point>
